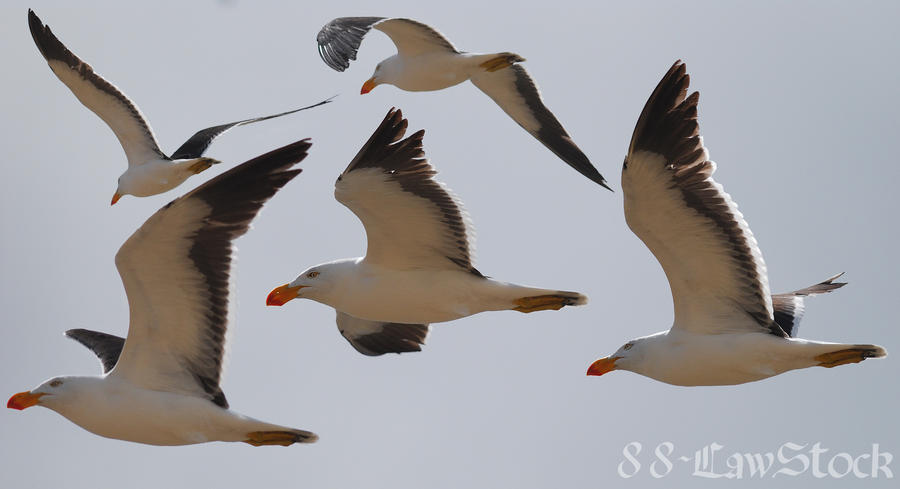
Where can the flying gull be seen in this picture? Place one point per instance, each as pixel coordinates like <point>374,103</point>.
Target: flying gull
<point>418,266</point>
<point>728,329</point>
<point>150,171</point>
<point>161,383</point>
<point>426,61</point>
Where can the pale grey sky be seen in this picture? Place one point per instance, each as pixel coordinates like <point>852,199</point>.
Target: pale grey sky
<point>799,107</point>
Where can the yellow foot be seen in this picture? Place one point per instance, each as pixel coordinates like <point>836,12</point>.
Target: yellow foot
<point>283,438</point>
<point>843,357</point>
<point>543,302</point>
<point>501,61</point>
<point>202,164</point>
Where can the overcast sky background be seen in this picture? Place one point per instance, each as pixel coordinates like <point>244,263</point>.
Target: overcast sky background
<point>799,108</point>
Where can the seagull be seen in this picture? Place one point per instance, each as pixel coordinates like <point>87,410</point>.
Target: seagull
<point>427,61</point>
<point>728,329</point>
<point>150,171</point>
<point>418,266</point>
<point>161,384</point>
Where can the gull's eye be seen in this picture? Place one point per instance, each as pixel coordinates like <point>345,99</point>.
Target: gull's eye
<point>312,274</point>
<point>55,383</point>
<point>627,346</point>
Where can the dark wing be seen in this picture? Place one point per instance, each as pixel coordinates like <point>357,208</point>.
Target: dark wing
<point>517,94</point>
<point>339,39</point>
<point>107,347</point>
<point>686,219</point>
<point>176,270</point>
<point>411,220</point>
<point>375,338</point>
<point>98,95</point>
<point>199,142</point>
<point>789,307</point>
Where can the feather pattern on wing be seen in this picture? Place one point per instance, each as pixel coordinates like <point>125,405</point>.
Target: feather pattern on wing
<point>107,347</point>
<point>375,338</point>
<point>714,266</point>
<point>98,95</point>
<point>176,270</point>
<point>517,94</point>
<point>411,220</point>
<point>339,40</point>
<point>789,307</point>
<point>413,38</point>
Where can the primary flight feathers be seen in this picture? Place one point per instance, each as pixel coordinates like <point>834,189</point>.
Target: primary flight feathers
<point>150,171</point>
<point>426,61</point>
<point>165,376</point>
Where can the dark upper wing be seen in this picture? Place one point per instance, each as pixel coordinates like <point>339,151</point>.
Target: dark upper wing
<point>375,338</point>
<point>411,220</point>
<point>339,39</point>
<point>107,347</point>
<point>199,142</point>
<point>789,307</point>
<point>176,270</point>
<point>98,95</point>
<point>517,94</point>
<point>686,219</point>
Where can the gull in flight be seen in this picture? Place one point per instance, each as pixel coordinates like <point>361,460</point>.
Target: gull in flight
<point>418,266</point>
<point>161,383</point>
<point>427,61</point>
<point>728,328</point>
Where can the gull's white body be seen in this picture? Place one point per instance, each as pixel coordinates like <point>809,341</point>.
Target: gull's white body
<point>435,70</point>
<point>155,176</point>
<point>686,358</point>
<point>115,408</point>
<point>379,293</point>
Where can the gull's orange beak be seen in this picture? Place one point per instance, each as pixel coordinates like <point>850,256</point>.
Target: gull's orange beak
<point>115,198</point>
<point>281,295</point>
<point>23,400</point>
<point>603,366</point>
<point>367,86</point>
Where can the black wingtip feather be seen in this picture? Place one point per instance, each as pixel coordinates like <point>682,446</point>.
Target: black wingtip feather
<point>668,124</point>
<point>384,149</point>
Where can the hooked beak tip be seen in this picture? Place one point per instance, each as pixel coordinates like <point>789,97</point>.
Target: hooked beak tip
<point>602,366</point>
<point>281,295</point>
<point>367,86</point>
<point>23,400</point>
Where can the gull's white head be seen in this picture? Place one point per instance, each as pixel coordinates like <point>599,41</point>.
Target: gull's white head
<point>314,283</point>
<point>384,73</point>
<point>631,356</point>
<point>55,392</point>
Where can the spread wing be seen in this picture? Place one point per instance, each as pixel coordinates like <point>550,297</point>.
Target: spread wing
<point>517,94</point>
<point>411,220</point>
<point>375,338</point>
<point>199,142</point>
<point>98,95</point>
<point>107,347</point>
<point>714,266</point>
<point>339,39</point>
<point>176,270</point>
<point>413,38</point>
